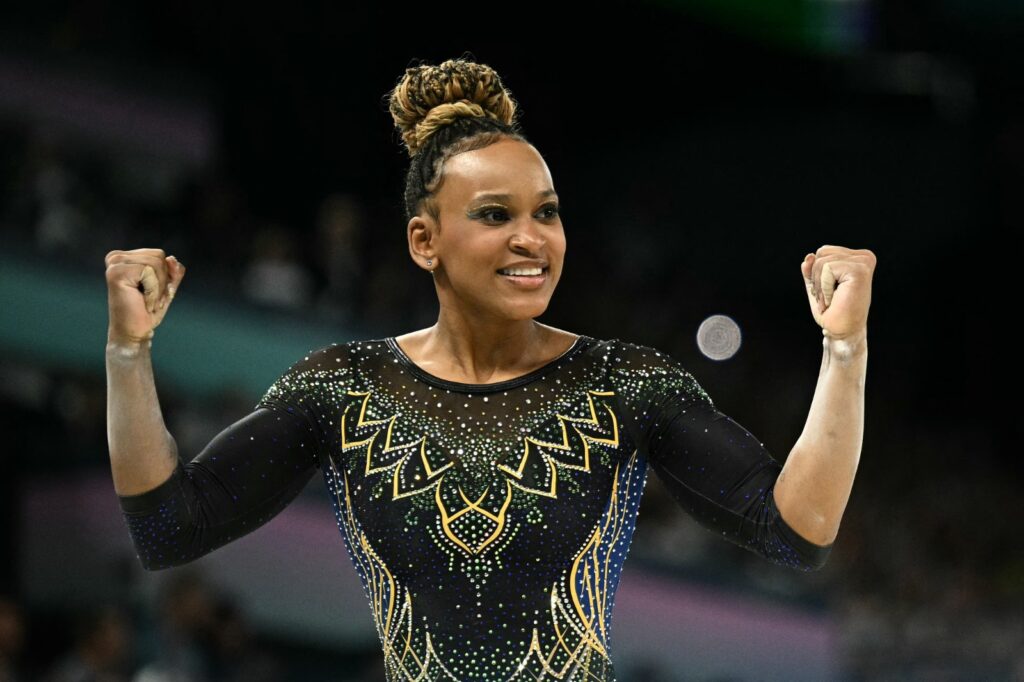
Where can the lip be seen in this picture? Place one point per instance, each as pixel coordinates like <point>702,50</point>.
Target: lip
<point>521,282</point>
<point>525,264</point>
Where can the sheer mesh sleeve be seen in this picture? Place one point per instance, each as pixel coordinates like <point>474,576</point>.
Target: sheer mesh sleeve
<point>244,477</point>
<point>716,469</point>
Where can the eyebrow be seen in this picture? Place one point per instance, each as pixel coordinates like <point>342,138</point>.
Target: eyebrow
<point>508,197</point>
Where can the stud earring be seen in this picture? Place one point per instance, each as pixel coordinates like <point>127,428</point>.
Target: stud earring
<point>430,261</point>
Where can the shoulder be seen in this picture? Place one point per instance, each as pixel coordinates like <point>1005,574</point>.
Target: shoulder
<point>319,358</point>
<point>341,353</point>
<point>318,373</point>
<point>618,355</point>
<point>639,369</point>
<point>626,356</point>
<point>332,361</point>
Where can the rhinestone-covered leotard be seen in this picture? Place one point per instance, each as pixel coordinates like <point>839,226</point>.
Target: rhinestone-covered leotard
<point>488,523</point>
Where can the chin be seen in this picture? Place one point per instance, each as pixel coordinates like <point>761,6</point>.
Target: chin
<point>535,312</point>
<point>524,311</point>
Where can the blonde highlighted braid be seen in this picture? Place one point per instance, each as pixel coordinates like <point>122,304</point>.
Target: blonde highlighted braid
<point>440,111</point>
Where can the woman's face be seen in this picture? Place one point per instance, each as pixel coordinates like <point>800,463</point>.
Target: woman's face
<point>498,209</point>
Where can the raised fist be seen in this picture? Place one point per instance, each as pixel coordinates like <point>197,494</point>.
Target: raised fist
<point>141,284</point>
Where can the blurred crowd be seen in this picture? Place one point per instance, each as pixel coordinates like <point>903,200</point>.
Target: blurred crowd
<point>921,587</point>
<point>191,632</point>
<point>73,205</point>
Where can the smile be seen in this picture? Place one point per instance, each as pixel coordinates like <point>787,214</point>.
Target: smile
<point>526,281</point>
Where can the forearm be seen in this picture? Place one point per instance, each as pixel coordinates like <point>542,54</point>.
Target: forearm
<point>815,483</point>
<point>143,454</point>
<point>244,476</point>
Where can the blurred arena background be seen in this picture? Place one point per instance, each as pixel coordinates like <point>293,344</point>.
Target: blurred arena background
<point>700,148</point>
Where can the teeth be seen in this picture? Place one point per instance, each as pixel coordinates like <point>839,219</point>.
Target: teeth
<point>522,271</point>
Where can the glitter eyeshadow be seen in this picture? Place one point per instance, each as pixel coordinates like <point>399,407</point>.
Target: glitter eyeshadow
<point>488,523</point>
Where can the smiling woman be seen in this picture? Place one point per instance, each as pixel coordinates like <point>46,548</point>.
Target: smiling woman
<point>485,472</point>
<point>473,238</point>
<point>483,217</point>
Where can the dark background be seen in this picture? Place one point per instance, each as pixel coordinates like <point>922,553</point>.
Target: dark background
<point>699,150</point>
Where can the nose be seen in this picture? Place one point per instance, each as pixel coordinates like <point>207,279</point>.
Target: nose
<point>530,237</point>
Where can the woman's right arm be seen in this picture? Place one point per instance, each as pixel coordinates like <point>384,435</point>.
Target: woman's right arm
<point>141,284</point>
<point>178,511</point>
<point>142,452</point>
<point>244,477</point>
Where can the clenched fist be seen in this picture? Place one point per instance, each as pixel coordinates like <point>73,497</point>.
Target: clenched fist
<point>838,284</point>
<point>141,284</point>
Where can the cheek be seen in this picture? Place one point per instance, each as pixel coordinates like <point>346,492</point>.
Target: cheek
<point>558,247</point>
<point>471,269</point>
<point>558,239</point>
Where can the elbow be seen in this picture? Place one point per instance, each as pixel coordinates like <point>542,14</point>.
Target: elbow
<point>795,549</point>
<point>784,546</point>
<point>814,564</point>
<point>163,549</point>
<point>165,537</point>
<point>811,552</point>
<point>153,567</point>
<point>804,561</point>
<point>152,563</point>
<point>812,557</point>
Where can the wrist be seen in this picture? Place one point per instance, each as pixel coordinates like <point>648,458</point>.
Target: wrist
<point>128,348</point>
<point>846,347</point>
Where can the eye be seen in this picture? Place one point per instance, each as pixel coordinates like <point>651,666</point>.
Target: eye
<point>488,211</point>
<point>553,210</point>
<point>549,212</point>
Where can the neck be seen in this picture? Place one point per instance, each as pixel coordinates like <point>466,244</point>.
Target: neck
<point>479,349</point>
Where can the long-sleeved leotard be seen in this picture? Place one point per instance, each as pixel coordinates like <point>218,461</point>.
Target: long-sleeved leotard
<point>488,523</point>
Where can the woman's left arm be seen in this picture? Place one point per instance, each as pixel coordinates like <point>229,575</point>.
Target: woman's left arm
<point>815,483</point>
<point>817,477</point>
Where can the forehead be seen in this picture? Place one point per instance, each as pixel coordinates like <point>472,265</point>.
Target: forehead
<point>506,167</point>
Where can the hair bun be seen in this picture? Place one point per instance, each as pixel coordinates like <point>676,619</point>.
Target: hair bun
<point>428,97</point>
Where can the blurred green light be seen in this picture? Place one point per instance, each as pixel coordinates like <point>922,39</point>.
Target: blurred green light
<point>816,26</point>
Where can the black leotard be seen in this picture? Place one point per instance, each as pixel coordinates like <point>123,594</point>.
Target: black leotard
<point>488,523</point>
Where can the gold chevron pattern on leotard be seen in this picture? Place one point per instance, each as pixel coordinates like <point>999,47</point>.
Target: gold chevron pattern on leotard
<point>577,636</point>
<point>473,524</point>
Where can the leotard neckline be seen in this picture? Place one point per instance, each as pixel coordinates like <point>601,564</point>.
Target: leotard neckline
<point>505,385</point>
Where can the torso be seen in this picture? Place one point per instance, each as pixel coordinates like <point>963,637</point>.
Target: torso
<point>489,523</point>
<point>557,343</point>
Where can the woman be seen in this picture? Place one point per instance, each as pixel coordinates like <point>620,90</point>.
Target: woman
<point>485,472</point>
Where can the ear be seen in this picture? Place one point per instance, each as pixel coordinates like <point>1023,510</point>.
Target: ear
<point>421,232</point>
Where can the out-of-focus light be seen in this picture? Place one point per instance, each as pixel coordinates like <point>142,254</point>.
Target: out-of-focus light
<point>718,337</point>
<point>831,27</point>
<point>947,81</point>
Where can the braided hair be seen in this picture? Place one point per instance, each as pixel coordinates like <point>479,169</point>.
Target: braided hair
<point>444,110</point>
